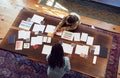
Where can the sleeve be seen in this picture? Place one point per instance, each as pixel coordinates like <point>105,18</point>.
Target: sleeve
<point>61,23</point>
<point>47,57</point>
<point>67,62</point>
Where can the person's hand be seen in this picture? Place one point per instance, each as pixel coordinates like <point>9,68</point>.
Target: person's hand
<point>63,28</point>
<point>58,30</point>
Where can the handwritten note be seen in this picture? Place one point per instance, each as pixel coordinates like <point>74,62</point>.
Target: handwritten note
<point>84,37</point>
<point>38,27</point>
<point>25,24</point>
<point>76,36</point>
<point>90,40</point>
<point>37,18</point>
<point>19,45</point>
<point>68,48</point>
<point>36,40</point>
<point>50,29</point>
<point>46,49</point>
<point>67,35</point>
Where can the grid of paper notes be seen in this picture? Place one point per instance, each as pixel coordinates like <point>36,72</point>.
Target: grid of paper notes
<point>38,40</point>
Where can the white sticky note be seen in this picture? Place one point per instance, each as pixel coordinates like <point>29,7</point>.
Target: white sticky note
<point>50,29</point>
<point>49,40</point>
<point>97,49</point>
<point>36,40</point>
<point>26,45</point>
<point>94,59</point>
<point>67,35</point>
<point>23,34</point>
<point>25,24</point>
<point>37,18</point>
<point>84,37</point>
<point>46,49</point>
<point>38,27</point>
<point>76,36</point>
<point>44,39</point>
<point>90,40</point>
<point>68,48</point>
<point>82,49</point>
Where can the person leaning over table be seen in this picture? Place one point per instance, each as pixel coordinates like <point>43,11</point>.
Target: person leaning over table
<point>58,64</point>
<point>69,22</point>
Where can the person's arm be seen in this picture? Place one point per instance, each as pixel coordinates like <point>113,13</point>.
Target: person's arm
<point>68,66</point>
<point>60,24</point>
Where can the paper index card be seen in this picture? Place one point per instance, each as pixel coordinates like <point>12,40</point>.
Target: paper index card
<point>90,40</point>
<point>46,49</point>
<point>37,18</point>
<point>36,40</point>
<point>25,24</point>
<point>84,37</point>
<point>82,49</point>
<point>76,36</point>
<point>23,34</point>
<point>67,35</point>
<point>38,27</point>
<point>97,49</point>
<point>44,39</point>
<point>26,45</point>
<point>78,49</point>
<point>49,40</point>
<point>18,45</point>
<point>94,59</point>
<point>68,48</point>
<point>50,29</point>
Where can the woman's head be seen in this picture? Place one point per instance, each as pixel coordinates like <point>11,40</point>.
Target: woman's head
<point>71,19</point>
<point>56,56</point>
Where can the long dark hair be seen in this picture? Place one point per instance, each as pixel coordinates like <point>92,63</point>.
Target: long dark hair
<point>56,57</point>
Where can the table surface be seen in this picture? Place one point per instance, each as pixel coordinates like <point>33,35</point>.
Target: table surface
<point>79,64</point>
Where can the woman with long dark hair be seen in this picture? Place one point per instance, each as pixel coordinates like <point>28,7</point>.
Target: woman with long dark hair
<point>58,63</point>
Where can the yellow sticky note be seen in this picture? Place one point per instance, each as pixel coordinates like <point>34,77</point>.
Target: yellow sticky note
<point>50,34</point>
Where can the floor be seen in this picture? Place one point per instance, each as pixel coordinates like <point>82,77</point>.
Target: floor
<point>88,8</point>
<point>9,13</point>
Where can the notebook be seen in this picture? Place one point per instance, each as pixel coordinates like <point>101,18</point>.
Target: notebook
<point>103,52</point>
<point>11,39</point>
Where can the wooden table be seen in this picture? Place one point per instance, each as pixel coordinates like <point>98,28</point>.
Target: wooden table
<point>78,63</point>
